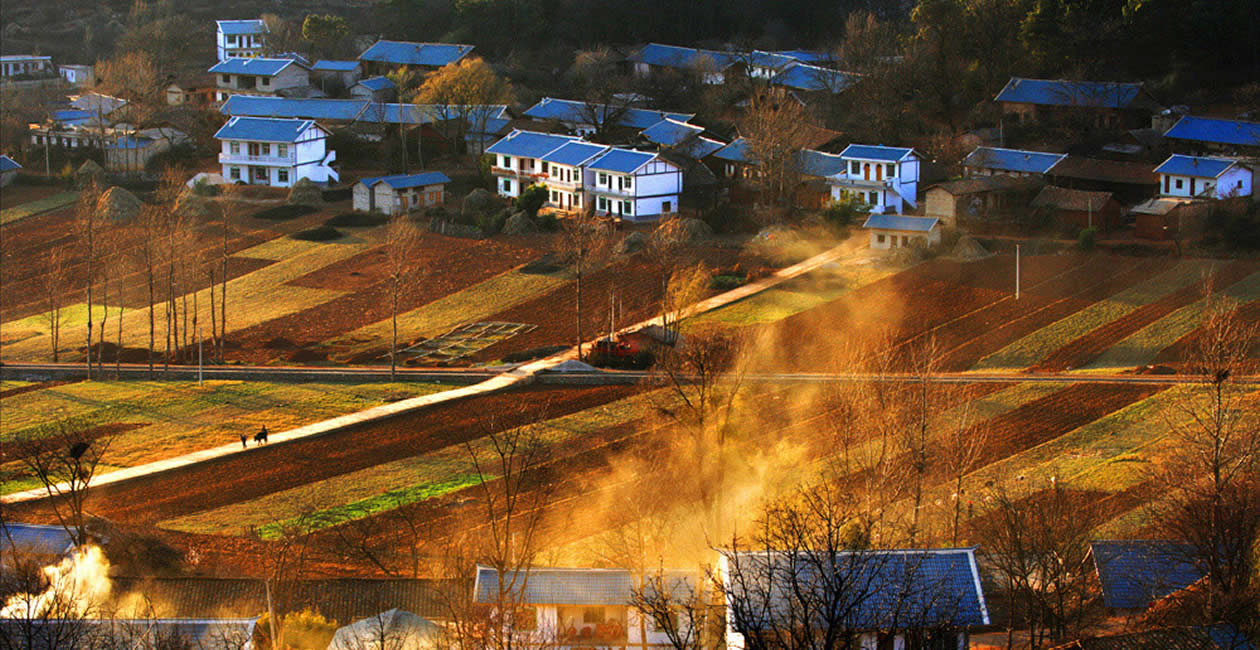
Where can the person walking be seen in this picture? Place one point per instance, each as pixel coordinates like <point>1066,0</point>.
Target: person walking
<point>243,439</point>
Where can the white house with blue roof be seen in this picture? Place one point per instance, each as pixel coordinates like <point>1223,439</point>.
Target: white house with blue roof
<point>635,185</point>
<point>990,161</point>
<point>1202,177</point>
<point>585,118</point>
<point>276,152</point>
<point>258,76</point>
<point>239,39</point>
<point>584,608</point>
<point>885,179</point>
<point>384,56</point>
<point>516,161</point>
<point>1217,134</point>
<point>711,65</point>
<point>375,89</point>
<point>400,193</point>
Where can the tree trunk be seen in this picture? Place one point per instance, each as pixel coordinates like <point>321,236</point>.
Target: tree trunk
<point>393,344</point>
<point>214,330</point>
<point>152,324</point>
<point>578,308</point>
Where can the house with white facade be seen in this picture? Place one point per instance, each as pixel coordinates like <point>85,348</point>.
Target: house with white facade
<point>277,152</point>
<point>516,162</point>
<point>400,193</point>
<point>77,75</point>
<point>258,76</point>
<point>567,608</point>
<point>635,185</point>
<point>239,39</point>
<point>885,179</point>
<point>1201,177</point>
<point>568,175</point>
<point>30,65</point>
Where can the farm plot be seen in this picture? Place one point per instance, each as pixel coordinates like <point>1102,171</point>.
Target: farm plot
<point>150,421</point>
<point>799,294</point>
<point>463,341</point>
<point>38,206</point>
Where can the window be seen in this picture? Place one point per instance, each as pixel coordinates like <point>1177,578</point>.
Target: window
<point>235,173</point>
<point>282,150</point>
<point>603,178</point>
<point>266,149</point>
<point>507,185</point>
<point>603,203</point>
<point>507,162</point>
<point>873,198</point>
<point>545,168</point>
<point>629,183</point>
<point>231,39</point>
<point>667,206</point>
<point>625,208</point>
<point>555,196</point>
<point>1179,182</point>
<point>282,176</point>
<point>592,614</point>
<point>855,168</point>
<point>264,81</point>
<point>888,170</point>
<point>235,148</point>
<point>879,238</point>
<point>227,78</point>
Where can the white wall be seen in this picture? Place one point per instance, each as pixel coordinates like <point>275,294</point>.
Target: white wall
<point>1235,182</point>
<point>507,187</point>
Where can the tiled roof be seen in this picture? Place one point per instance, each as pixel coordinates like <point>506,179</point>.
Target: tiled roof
<point>1135,573</point>
<point>326,65</point>
<point>900,222</point>
<point>763,59</point>
<point>574,153</point>
<point>817,163</point>
<point>529,144</point>
<point>994,183</point>
<point>699,148</point>
<point>1012,160</point>
<point>8,164</point>
<point>50,634</point>
<point>32,538</point>
<point>736,151</point>
<point>341,110</point>
<point>408,53</point>
<point>404,181</point>
<point>1062,198</point>
<point>1108,171</point>
<point>672,56</point>
<point>670,132</point>
<point>885,589</point>
<point>621,161</point>
<point>807,56</point>
<point>1197,166</point>
<point>567,110</point>
<point>547,586</point>
<point>375,84</point>
<point>1215,637</point>
<point>260,66</point>
<point>876,152</point>
<point>1060,92</point>
<point>242,26</point>
<point>811,77</point>
<point>263,129</point>
<point>1216,131</point>
<point>96,103</point>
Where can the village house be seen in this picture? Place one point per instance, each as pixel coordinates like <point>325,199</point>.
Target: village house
<point>1216,135</point>
<point>1195,177</point>
<point>26,65</point>
<point>805,78</point>
<point>987,161</point>
<point>635,185</point>
<point>927,598</point>
<point>585,118</point>
<point>276,152</point>
<point>258,76</point>
<point>884,179</point>
<point>343,74</point>
<point>1078,208</point>
<point>375,89</point>
<point>239,39</point>
<point>516,162</point>
<point>980,199</point>
<point>131,152</point>
<point>711,65</point>
<point>1101,103</point>
<point>888,231</point>
<point>582,608</point>
<point>1130,182</point>
<point>1134,574</point>
<point>384,57</point>
<point>567,176</point>
<point>77,75</point>
<point>400,193</point>
<point>763,65</point>
<point>90,121</point>
<point>8,170</point>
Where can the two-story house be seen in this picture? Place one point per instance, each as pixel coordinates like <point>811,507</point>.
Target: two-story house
<point>384,57</point>
<point>634,185</point>
<point>1200,177</point>
<point>886,179</point>
<point>516,163</point>
<point>990,161</point>
<point>239,39</point>
<point>563,609</point>
<point>277,152</point>
<point>258,76</point>
<point>567,175</point>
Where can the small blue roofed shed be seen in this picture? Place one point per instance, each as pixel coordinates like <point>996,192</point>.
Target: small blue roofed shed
<point>1136,573</point>
<point>1011,161</point>
<point>1196,166</point>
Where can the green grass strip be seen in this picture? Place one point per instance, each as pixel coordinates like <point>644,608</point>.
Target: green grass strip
<point>32,208</point>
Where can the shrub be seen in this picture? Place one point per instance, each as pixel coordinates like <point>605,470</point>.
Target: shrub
<point>547,222</point>
<point>844,212</point>
<point>1087,239</point>
<point>726,282</point>
<point>284,212</point>
<point>492,223</point>
<point>357,220</point>
<point>532,199</point>
<point>318,233</point>
<point>202,188</point>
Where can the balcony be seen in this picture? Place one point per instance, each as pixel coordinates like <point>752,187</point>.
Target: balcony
<point>526,175</point>
<point>246,159</point>
<point>611,190</point>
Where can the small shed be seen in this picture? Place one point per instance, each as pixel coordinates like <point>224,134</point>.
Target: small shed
<point>899,231</point>
<point>8,170</point>
<point>981,198</point>
<point>400,193</point>
<point>1079,208</point>
<point>345,73</point>
<point>394,629</point>
<point>376,89</point>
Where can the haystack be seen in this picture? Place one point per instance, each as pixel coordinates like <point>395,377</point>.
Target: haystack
<point>969,250</point>
<point>118,205</point>
<point>519,224</point>
<point>88,173</point>
<point>682,230</point>
<point>305,192</point>
<point>479,203</point>
<point>190,205</point>
<point>632,243</point>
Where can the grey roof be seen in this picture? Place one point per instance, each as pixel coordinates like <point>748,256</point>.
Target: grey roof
<point>565,586</point>
<point>1212,637</point>
<point>33,538</point>
<point>204,634</point>
<point>900,222</point>
<point>1062,198</point>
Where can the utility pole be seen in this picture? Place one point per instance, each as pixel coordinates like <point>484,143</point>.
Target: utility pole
<point>1017,271</point>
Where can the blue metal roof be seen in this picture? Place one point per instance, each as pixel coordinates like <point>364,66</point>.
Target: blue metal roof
<point>8,164</point>
<point>1227,637</point>
<point>242,26</point>
<point>408,53</point>
<point>262,129</point>
<point>326,65</point>
<point>260,66</point>
<point>574,153</point>
<point>736,151</point>
<point>621,161</point>
<point>1134,574</point>
<point>343,110</point>
<point>1012,160</point>
<point>1060,92</point>
<point>529,144</point>
<point>817,163</point>
<point>1216,131</point>
<point>876,152</point>
<point>671,56</point>
<point>376,84</point>
<point>71,116</point>
<point>808,56</point>
<point>404,181</point>
<point>699,148</point>
<point>35,539</point>
<point>900,222</point>
<point>670,132</point>
<point>811,77</point>
<point>763,59</point>
<point>1197,166</point>
<point>558,586</point>
<point>128,142</point>
<point>870,590</point>
<point>567,110</point>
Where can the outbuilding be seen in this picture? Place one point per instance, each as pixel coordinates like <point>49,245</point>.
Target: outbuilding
<point>400,193</point>
<point>1079,208</point>
<point>8,170</point>
<point>899,231</point>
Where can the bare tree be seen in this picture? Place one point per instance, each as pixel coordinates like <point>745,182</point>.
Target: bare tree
<point>64,457</point>
<point>583,243</point>
<point>684,606</point>
<point>402,241</point>
<point>54,284</point>
<point>87,229</point>
<point>152,220</point>
<point>777,128</point>
<point>228,198</point>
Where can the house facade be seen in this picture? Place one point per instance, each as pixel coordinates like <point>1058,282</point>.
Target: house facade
<point>77,75</point>
<point>1102,103</point>
<point>885,179</point>
<point>239,39</point>
<point>276,152</point>
<point>400,193</point>
<point>1216,135</point>
<point>13,65</point>
<point>635,185</point>
<point>258,76</point>
<point>889,231</point>
<point>1200,177</point>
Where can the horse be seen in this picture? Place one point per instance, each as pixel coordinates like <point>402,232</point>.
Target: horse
<point>261,436</point>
